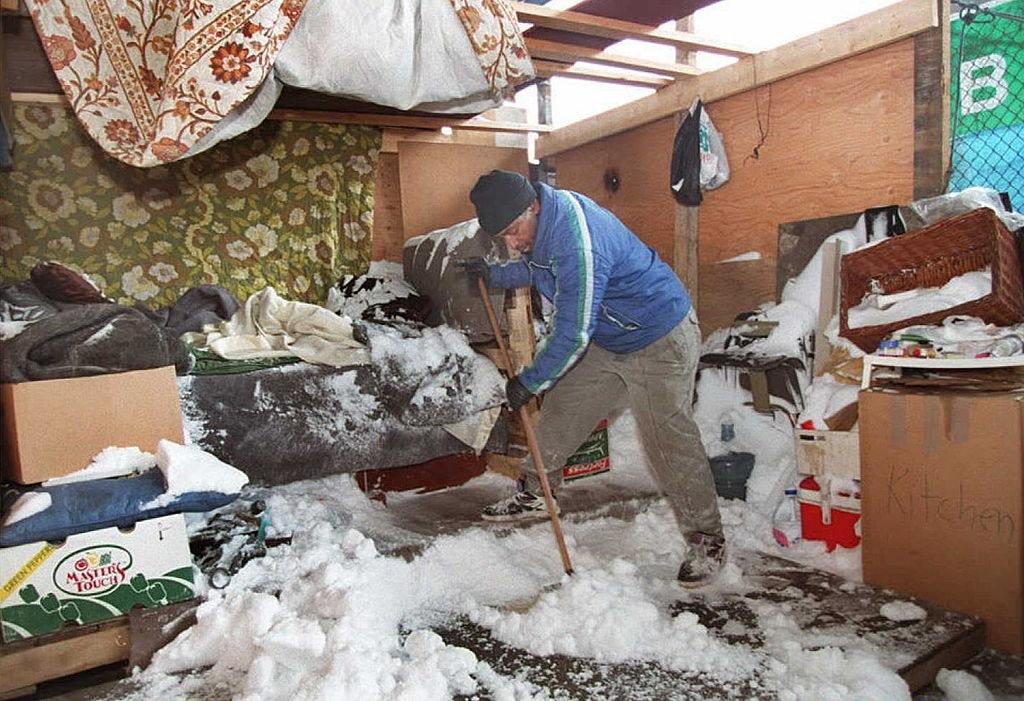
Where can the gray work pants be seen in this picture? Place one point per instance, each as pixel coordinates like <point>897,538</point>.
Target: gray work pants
<point>657,383</point>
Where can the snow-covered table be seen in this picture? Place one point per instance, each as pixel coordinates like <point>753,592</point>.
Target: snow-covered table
<point>873,361</point>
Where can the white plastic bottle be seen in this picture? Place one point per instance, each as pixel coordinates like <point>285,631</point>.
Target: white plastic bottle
<point>786,521</point>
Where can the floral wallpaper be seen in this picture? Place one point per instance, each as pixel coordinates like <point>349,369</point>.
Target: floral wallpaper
<point>287,205</point>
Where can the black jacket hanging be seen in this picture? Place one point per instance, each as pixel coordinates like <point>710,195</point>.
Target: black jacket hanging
<point>685,169</point>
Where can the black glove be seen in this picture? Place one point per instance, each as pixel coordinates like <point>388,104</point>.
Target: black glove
<point>475,268</point>
<point>517,394</point>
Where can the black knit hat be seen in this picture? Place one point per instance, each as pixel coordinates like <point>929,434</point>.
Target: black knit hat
<point>499,197</point>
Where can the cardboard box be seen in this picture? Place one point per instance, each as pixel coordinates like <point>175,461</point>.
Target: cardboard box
<point>828,453</point>
<point>93,576</point>
<point>54,427</point>
<point>943,501</point>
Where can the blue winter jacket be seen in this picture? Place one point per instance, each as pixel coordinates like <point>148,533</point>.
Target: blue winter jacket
<point>606,285</point>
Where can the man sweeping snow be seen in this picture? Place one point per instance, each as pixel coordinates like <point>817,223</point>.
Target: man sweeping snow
<point>624,331</point>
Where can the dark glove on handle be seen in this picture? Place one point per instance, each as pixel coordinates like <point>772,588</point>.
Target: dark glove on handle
<point>475,268</point>
<point>517,394</point>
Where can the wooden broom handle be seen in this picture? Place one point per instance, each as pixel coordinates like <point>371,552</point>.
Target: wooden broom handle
<point>531,437</point>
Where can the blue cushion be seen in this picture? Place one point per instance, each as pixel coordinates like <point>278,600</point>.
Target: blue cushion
<point>88,506</point>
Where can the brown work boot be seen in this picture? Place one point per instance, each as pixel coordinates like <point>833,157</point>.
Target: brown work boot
<point>703,561</point>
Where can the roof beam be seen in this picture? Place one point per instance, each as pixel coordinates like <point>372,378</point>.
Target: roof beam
<point>570,53</point>
<point>617,30</point>
<point>547,69</point>
<point>403,120</point>
<point>873,30</point>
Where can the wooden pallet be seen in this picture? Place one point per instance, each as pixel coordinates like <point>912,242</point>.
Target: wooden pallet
<point>26,663</point>
<point>130,639</point>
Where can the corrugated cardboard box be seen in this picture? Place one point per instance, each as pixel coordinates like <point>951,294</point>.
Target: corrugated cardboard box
<point>93,576</point>
<point>943,501</point>
<point>54,427</point>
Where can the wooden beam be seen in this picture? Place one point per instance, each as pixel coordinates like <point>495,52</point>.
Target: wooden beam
<point>885,26</point>
<point>407,121</point>
<point>569,53</point>
<point>546,69</point>
<point>592,25</point>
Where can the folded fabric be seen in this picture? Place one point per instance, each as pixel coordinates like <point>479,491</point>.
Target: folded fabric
<point>268,326</point>
<point>87,506</point>
<point>209,363</point>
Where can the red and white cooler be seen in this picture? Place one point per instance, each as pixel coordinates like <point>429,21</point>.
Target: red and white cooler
<point>830,513</point>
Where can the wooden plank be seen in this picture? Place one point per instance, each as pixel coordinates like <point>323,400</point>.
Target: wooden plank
<point>521,341</point>
<point>41,97</point>
<point>931,112</point>
<point>828,304</point>
<point>686,260</point>
<point>388,232</point>
<point>407,121</point>
<point>726,289</point>
<point>637,162</point>
<point>606,28</point>
<point>568,53</point>
<point>29,662</point>
<point>391,137</point>
<point>547,69</point>
<point>921,672</point>
<point>873,30</point>
<point>436,180</point>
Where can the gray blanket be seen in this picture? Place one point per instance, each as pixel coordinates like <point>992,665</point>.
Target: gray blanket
<point>88,339</point>
<point>303,421</point>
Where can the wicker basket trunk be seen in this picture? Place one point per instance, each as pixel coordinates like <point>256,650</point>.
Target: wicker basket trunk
<point>931,257</point>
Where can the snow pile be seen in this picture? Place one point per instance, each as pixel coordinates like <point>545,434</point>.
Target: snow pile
<point>825,397</point>
<point>330,617</point>
<point>901,611</point>
<point>187,469</point>
<point>109,462</point>
<point>446,240</point>
<point>959,685</point>
<point>606,615</point>
<point>436,365</point>
<point>28,504</point>
<point>388,284</point>
<point>791,336</point>
<point>720,400</point>
<point>876,309</point>
<point>336,628</point>
<point>805,288</point>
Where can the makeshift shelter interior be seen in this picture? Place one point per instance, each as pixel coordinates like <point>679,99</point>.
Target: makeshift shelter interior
<point>254,404</point>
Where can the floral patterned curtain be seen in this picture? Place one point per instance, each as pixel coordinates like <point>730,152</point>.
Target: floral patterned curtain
<point>493,30</point>
<point>287,205</point>
<point>149,79</point>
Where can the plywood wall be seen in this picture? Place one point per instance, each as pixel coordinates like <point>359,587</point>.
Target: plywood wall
<point>438,175</point>
<point>840,138</point>
<point>641,159</point>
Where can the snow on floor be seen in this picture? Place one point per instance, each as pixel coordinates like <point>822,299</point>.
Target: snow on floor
<point>331,617</point>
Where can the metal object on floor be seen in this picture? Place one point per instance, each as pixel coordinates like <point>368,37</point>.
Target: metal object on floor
<point>531,438</point>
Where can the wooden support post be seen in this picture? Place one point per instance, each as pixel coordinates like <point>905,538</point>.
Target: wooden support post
<point>686,258</point>
<point>931,107</point>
